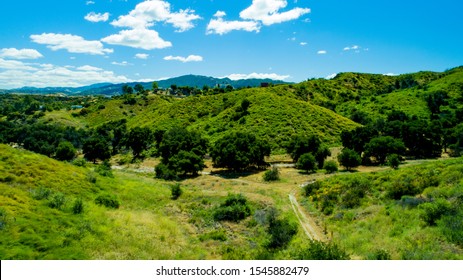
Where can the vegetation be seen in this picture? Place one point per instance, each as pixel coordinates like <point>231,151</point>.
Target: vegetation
<point>349,159</point>
<point>272,174</point>
<point>53,201</point>
<point>239,151</point>
<point>384,215</point>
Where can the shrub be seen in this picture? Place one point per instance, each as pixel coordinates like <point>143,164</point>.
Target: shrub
<point>433,211</point>
<point>57,200</point>
<point>65,151</point>
<point>330,166</point>
<point>91,177</point>
<point>379,254</point>
<point>307,162</point>
<point>311,187</point>
<point>176,191</point>
<point>78,206</point>
<point>318,250</point>
<point>3,218</point>
<point>79,162</point>
<point>218,235</point>
<point>41,193</point>
<point>108,200</point>
<point>272,174</point>
<point>281,232</point>
<point>104,169</point>
<point>393,161</point>
<point>163,172</point>
<point>235,208</point>
<point>452,228</point>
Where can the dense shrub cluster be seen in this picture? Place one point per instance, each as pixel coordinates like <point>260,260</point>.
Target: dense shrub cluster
<point>235,208</point>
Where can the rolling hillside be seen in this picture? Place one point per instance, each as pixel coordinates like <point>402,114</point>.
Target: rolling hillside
<point>273,114</point>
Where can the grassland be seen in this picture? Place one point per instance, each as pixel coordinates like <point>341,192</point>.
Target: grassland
<point>147,225</point>
<point>389,215</point>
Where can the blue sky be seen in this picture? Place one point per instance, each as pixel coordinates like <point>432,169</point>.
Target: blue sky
<point>81,42</point>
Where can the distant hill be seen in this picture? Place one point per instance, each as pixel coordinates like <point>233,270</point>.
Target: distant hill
<point>115,89</point>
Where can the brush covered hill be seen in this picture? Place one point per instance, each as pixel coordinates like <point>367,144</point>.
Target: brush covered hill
<point>414,213</point>
<point>120,217</point>
<point>271,113</point>
<point>377,95</point>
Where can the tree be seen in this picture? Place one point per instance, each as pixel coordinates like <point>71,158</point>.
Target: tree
<point>139,88</point>
<point>349,159</point>
<point>126,89</point>
<point>307,162</point>
<point>182,151</point>
<point>95,148</point>
<point>381,147</point>
<point>321,154</point>
<point>65,151</point>
<point>302,144</point>
<point>238,151</point>
<point>139,139</point>
<point>155,86</point>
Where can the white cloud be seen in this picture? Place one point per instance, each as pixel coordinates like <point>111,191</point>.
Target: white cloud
<point>332,76</point>
<point>354,48</point>
<point>219,26</point>
<point>190,58</point>
<point>303,43</point>
<point>220,14</point>
<point>272,76</point>
<point>138,38</point>
<point>260,12</point>
<point>71,43</point>
<point>142,55</point>
<point>20,54</point>
<point>322,52</point>
<point>267,11</point>
<point>391,74</point>
<point>19,74</point>
<point>147,13</point>
<point>93,17</point>
<point>14,64</point>
<point>89,3</point>
<point>87,68</point>
<point>123,63</point>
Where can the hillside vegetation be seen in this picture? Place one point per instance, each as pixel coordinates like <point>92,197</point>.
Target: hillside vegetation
<point>411,213</point>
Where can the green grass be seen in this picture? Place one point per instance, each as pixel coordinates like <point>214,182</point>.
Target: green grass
<point>379,223</point>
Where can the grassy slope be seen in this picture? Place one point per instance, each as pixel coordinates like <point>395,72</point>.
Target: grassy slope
<point>142,228</point>
<point>380,223</point>
<point>274,115</point>
<point>148,224</point>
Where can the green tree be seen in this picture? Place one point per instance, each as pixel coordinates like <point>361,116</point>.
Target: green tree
<point>95,148</point>
<point>321,154</point>
<point>239,151</point>
<point>126,89</point>
<point>349,159</point>
<point>307,162</point>
<point>182,151</point>
<point>155,86</point>
<point>139,88</point>
<point>65,151</point>
<point>382,146</point>
<point>302,144</point>
<point>139,140</point>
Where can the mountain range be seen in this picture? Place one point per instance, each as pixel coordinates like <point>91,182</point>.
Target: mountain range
<point>115,89</point>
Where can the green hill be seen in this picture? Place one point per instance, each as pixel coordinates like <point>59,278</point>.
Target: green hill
<point>411,213</point>
<point>34,224</point>
<point>273,115</point>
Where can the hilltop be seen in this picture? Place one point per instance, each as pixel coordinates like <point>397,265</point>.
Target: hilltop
<point>108,89</point>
